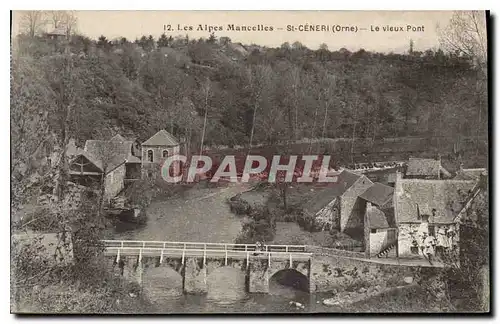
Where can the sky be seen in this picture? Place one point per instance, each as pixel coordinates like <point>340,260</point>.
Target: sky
<point>133,24</point>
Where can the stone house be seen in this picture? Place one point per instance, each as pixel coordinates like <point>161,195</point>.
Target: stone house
<point>338,206</point>
<point>379,225</point>
<point>154,152</point>
<point>418,168</point>
<point>426,212</point>
<point>115,159</point>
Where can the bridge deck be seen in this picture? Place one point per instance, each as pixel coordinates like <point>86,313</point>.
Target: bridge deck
<point>205,250</point>
<point>202,246</point>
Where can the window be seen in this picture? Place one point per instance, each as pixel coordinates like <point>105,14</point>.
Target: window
<point>373,230</point>
<point>432,231</point>
<point>150,174</point>
<point>150,155</point>
<point>165,153</point>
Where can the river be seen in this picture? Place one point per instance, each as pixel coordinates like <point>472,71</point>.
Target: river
<point>202,215</point>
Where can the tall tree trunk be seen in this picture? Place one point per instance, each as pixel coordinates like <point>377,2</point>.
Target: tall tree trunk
<point>313,129</point>
<point>352,142</point>
<point>324,125</point>
<point>253,127</point>
<point>204,123</point>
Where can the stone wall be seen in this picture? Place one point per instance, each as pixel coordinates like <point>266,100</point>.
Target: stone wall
<point>351,209</point>
<point>381,239</point>
<point>114,182</point>
<point>337,273</point>
<point>325,273</point>
<point>155,166</point>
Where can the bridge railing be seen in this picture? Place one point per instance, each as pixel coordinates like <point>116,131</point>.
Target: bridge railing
<point>141,252</point>
<point>203,246</point>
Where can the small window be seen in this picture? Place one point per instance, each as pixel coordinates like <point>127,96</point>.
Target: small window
<point>165,153</point>
<point>150,155</point>
<point>432,230</point>
<point>373,230</point>
<point>150,174</point>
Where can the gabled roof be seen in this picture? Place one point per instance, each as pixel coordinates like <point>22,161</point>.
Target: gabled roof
<point>480,191</point>
<point>446,198</point>
<point>111,153</point>
<point>470,174</point>
<point>381,218</point>
<point>162,138</point>
<point>345,181</point>
<point>92,159</point>
<point>378,194</point>
<point>423,167</point>
<point>118,138</point>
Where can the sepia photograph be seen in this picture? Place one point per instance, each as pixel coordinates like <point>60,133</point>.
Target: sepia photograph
<point>249,162</point>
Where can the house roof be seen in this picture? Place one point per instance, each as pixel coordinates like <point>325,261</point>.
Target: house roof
<point>59,31</point>
<point>381,218</point>
<point>423,167</point>
<point>88,156</point>
<point>479,192</point>
<point>118,138</point>
<point>345,181</point>
<point>418,196</point>
<point>112,153</point>
<point>470,174</point>
<point>162,138</point>
<point>133,159</point>
<point>378,194</point>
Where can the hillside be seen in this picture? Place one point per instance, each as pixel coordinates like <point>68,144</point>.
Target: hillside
<point>92,89</point>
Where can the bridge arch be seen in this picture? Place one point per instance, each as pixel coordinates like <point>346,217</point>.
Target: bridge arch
<point>162,281</point>
<point>292,278</point>
<point>226,284</point>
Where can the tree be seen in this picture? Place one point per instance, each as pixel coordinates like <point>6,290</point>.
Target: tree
<point>466,34</point>
<point>206,93</point>
<point>163,41</point>
<point>259,80</point>
<point>103,43</point>
<point>32,22</point>
<point>471,265</point>
<point>64,18</point>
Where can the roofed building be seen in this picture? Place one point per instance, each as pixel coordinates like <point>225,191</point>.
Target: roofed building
<point>154,152</point>
<point>418,168</point>
<point>338,206</point>
<point>114,159</point>
<point>380,226</point>
<point>57,33</point>
<point>427,208</point>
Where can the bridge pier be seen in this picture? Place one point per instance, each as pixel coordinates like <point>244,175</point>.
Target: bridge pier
<point>258,276</point>
<point>195,276</point>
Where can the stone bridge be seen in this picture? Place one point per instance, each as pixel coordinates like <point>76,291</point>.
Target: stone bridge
<point>195,262</point>
<point>307,268</point>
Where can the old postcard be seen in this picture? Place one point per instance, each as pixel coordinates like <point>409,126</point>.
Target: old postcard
<point>249,162</point>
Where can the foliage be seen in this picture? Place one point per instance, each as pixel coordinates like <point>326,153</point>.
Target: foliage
<point>276,94</point>
<point>260,227</point>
